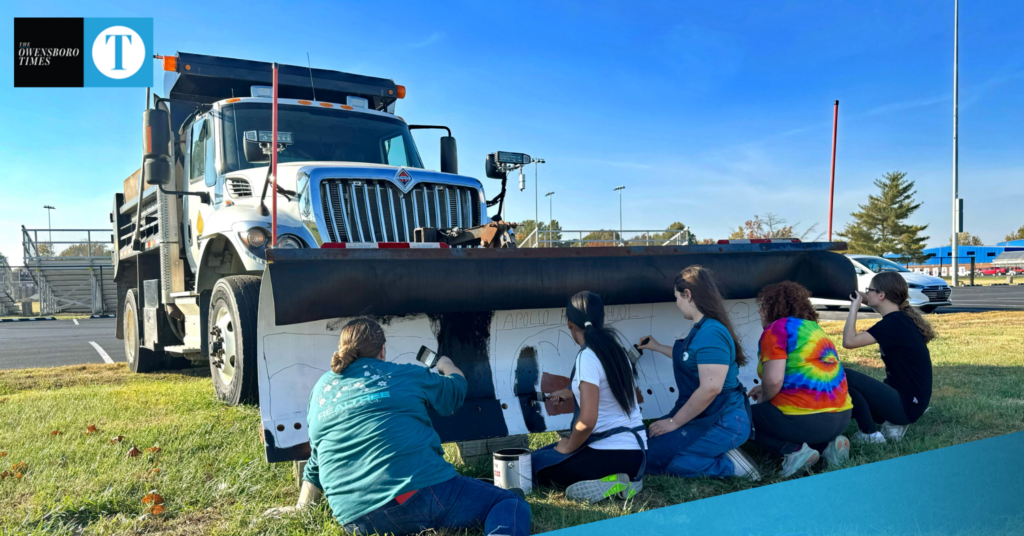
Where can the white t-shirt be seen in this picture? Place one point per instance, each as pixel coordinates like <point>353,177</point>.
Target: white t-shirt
<point>609,413</point>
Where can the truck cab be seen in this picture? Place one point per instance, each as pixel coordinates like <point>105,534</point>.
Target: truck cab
<point>349,174</point>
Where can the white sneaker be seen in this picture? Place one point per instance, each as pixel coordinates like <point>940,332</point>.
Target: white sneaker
<point>592,491</point>
<point>838,451</point>
<point>799,461</point>
<point>745,467</point>
<point>874,437</point>
<point>894,432</point>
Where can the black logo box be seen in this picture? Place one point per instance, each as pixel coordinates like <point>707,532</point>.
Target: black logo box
<point>43,52</point>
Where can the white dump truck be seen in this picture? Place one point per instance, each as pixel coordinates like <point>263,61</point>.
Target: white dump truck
<point>362,228</point>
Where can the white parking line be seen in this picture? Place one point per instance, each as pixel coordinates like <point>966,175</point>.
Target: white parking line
<point>103,355</point>
<point>75,320</point>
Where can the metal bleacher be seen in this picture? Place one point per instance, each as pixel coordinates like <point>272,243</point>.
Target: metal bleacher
<point>73,274</point>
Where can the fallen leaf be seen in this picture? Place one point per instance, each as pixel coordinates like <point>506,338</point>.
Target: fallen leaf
<point>157,509</point>
<point>116,439</point>
<point>134,452</point>
<point>56,432</point>
<point>152,498</point>
<point>20,466</point>
<point>91,429</point>
<point>17,475</point>
<point>154,470</point>
<point>154,449</point>
<point>3,475</point>
<point>2,454</point>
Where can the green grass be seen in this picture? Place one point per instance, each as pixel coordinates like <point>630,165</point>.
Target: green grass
<point>214,480</point>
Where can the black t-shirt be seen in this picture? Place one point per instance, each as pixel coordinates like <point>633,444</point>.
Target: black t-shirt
<point>908,364</point>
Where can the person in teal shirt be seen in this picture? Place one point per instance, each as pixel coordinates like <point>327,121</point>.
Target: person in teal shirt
<point>376,457</point>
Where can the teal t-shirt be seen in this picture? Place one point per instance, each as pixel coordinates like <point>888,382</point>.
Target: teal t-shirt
<point>371,437</point>
<point>710,344</point>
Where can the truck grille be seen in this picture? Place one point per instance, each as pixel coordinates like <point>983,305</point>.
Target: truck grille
<point>377,211</point>
<point>937,294</point>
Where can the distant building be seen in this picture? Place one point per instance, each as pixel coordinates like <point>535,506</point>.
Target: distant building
<point>940,259</point>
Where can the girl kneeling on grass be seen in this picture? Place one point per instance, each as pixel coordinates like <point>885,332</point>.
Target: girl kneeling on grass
<point>702,433</point>
<point>604,455</point>
<point>376,456</point>
<point>902,336</point>
<point>803,404</point>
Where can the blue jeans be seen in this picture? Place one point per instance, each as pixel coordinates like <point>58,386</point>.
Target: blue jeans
<point>459,503</point>
<point>703,457</point>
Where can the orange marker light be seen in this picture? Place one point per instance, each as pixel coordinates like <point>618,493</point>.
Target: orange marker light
<point>170,63</point>
<point>229,101</point>
<point>401,92</point>
<point>305,102</point>
<point>326,105</point>
<point>188,67</point>
<point>345,107</point>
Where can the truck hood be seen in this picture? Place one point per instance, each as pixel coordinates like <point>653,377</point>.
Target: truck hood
<point>288,174</point>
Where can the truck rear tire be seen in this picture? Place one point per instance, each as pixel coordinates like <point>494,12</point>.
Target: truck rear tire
<point>140,359</point>
<point>234,306</point>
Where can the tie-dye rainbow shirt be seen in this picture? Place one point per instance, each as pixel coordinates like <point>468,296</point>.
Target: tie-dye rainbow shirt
<point>815,381</point>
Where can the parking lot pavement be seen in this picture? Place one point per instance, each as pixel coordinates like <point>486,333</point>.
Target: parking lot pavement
<point>965,300</point>
<point>55,343</point>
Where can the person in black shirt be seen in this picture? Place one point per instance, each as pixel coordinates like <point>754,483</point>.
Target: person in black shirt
<point>902,336</point>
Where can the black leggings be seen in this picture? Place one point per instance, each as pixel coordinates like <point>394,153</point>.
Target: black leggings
<point>591,464</point>
<point>782,434</point>
<point>874,402</point>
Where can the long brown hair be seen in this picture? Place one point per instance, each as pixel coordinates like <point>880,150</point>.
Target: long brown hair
<point>786,299</point>
<point>361,337</point>
<point>706,296</point>
<point>896,291</point>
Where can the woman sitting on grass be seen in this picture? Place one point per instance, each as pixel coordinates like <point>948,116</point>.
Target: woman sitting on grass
<point>700,436</point>
<point>376,456</point>
<point>902,336</point>
<point>604,455</point>
<point>803,405</point>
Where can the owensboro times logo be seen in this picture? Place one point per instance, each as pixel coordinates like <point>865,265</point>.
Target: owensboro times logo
<point>108,52</point>
<point>27,55</point>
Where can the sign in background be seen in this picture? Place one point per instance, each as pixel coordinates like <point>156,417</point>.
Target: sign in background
<point>76,52</point>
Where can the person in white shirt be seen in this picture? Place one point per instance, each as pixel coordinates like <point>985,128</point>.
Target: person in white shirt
<point>606,451</point>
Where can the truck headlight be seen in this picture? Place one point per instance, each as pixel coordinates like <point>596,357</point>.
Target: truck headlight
<point>289,242</point>
<point>914,285</point>
<point>255,237</point>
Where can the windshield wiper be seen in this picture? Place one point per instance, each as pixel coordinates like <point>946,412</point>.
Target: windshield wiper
<point>288,194</point>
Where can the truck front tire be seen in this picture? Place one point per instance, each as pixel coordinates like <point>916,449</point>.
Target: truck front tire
<point>140,359</point>
<point>234,306</point>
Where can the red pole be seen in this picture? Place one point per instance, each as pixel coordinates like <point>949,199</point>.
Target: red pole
<point>273,162</point>
<point>832,188</point>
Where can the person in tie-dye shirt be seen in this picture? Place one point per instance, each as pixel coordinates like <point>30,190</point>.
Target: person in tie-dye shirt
<point>802,401</point>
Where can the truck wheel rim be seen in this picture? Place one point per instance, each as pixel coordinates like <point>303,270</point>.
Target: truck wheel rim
<point>226,362</point>
<point>131,343</point>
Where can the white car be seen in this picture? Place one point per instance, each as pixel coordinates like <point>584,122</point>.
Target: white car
<point>926,292</point>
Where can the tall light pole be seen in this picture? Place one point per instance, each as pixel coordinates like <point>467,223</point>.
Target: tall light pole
<point>550,218</point>
<point>49,227</point>
<point>536,190</point>
<point>620,189</point>
<point>956,186</point>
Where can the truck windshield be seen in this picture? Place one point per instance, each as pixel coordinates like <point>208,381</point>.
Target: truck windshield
<point>320,134</point>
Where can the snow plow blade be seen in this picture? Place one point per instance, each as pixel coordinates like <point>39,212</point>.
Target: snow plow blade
<point>499,315</point>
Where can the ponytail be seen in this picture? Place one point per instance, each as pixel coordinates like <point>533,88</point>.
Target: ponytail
<point>586,311</point>
<point>361,337</point>
<point>895,289</point>
<point>926,329</point>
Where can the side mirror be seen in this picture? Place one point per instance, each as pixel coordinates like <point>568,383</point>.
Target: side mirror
<point>156,146</point>
<point>449,155</point>
<point>859,271</point>
<point>491,168</point>
<point>254,153</point>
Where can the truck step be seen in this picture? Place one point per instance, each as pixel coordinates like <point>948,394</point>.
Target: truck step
<point>191,353</point>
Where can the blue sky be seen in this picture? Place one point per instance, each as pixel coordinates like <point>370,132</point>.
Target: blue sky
<point>708,112</point>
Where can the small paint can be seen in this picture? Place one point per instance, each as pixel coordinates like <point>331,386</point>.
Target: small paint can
<point>513,470</point>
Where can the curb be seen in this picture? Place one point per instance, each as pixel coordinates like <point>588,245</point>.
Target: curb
<point>102,316</point>
<point>29,319</point>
